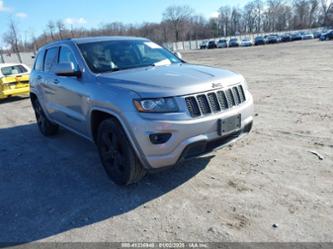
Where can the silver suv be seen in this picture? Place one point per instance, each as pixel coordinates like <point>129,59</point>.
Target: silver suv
<point>143,106</point>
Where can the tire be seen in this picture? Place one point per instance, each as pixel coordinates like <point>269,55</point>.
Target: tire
<point>46,127</point>
<point>117,155</point>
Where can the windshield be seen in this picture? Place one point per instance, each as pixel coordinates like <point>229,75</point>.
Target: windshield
<point>108,56</point>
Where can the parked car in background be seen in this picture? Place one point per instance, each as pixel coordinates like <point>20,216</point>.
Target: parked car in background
<point>203,45</point>
<point>296,36</point>
<point>259,40</point>
<point>14,80</point>
<point>279,37</point>
<point>246,42</point>
<point>286,37</point>
<point>234,42</point>
<point>271,39</point>
<point>222,43</point>
<point>316,34</point>
<point>307,36</point>
<point>328,35</point>
<point>211,44</point>
<point>143,107</point>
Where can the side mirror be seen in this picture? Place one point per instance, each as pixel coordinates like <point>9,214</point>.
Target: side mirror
<point>179,55</point>
<point>66,69</point>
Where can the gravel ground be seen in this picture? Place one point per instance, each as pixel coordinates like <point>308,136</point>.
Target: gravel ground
<point>56,190</point>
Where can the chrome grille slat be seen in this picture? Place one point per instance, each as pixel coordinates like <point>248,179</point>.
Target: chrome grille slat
<point>215,101</point>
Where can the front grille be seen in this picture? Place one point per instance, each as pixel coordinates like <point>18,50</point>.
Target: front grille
<point>214,102</point>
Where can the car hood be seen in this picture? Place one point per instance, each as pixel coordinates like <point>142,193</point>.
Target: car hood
<point>171,80</point>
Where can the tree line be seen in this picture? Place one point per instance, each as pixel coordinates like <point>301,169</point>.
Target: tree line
<point>180,22</point>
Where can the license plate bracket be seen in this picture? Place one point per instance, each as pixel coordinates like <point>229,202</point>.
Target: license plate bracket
<point>230,124</point>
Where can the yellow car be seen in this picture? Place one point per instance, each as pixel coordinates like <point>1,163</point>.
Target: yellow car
<point>14,80</point>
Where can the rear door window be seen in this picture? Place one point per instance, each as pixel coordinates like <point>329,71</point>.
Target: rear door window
<point>50,59</point>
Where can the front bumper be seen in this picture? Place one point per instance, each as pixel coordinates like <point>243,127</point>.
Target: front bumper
<point>191,137</point>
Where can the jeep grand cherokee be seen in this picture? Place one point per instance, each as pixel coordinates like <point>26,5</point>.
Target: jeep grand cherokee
<point>143,106</point>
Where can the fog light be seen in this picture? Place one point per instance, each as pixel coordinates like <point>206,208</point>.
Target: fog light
<point>159,138</point>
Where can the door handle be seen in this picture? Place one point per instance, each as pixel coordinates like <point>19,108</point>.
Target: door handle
<point>55,81</point>
<point>39,77</point>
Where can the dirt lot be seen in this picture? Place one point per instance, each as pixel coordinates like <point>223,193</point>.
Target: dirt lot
<point>56,190</point>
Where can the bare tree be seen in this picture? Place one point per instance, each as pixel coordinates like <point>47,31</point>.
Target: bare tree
<point>273,8</point>
<point>284,18</point>
<point>314,8</point>
<point>235,20</point>
<point>11,37</point>
<point>301,11</point>
<point>198,27</point>
<point>51,27</point>
<point>259,9</point>
<point>1,56</point>
<point>34,44</point>
<point>114,28</point>
<point>177,16</point>
<point>61,29</point>
<point>327,12</point>
<point>225,16</point>
<point>249,17</point>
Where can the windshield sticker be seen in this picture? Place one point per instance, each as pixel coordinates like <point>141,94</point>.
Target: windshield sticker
<point>152,45</point>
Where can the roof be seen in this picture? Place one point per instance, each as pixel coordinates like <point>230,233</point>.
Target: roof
<point>93,39</point>
<point>105,38</point>
<point>10,64</point>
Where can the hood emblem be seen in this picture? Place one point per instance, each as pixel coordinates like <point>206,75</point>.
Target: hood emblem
<point>216,85</point>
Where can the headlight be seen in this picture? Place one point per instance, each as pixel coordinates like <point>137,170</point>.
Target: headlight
<point>156,105</point>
